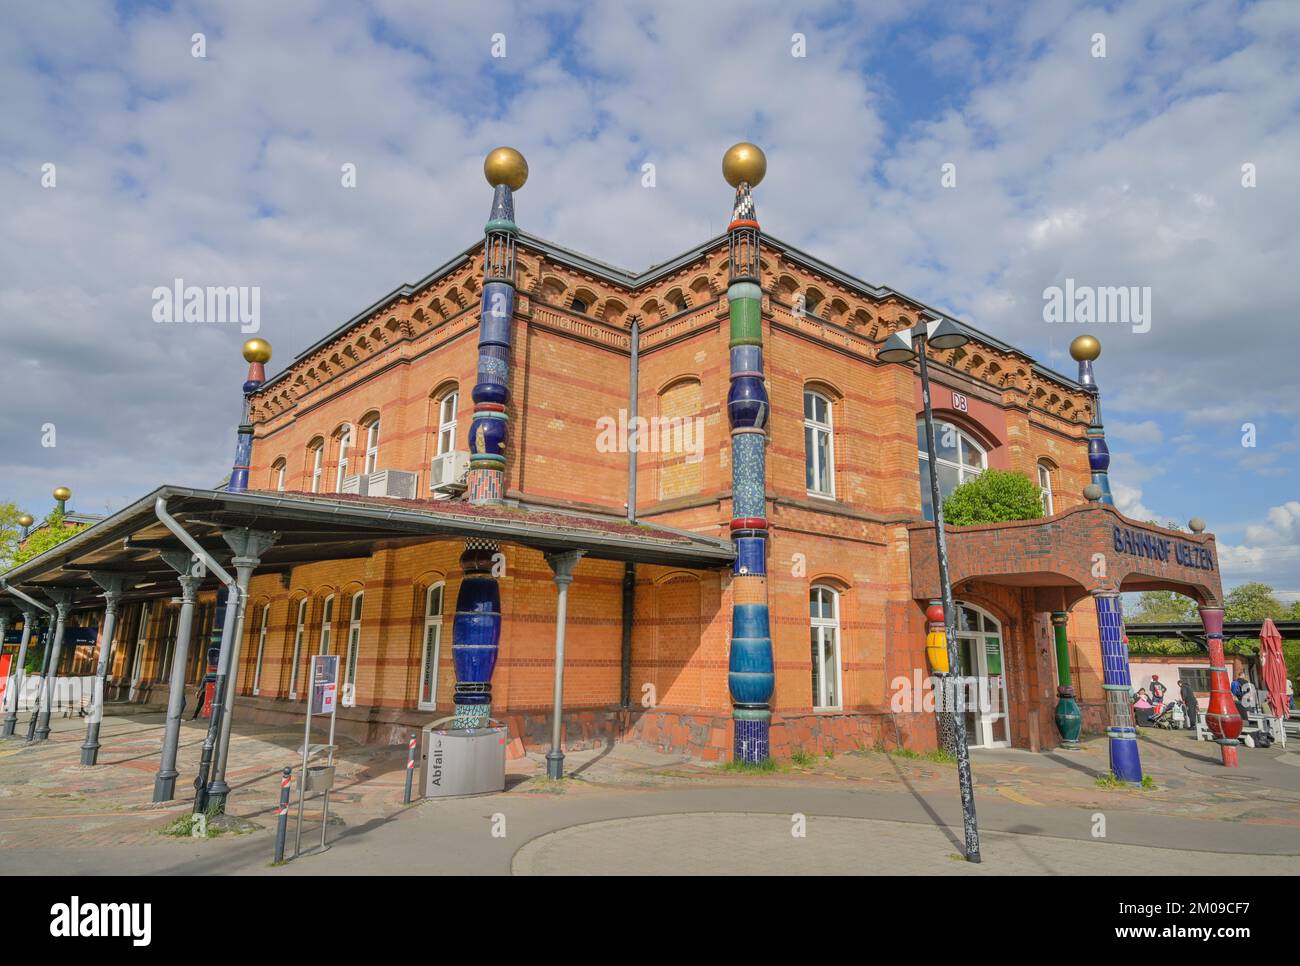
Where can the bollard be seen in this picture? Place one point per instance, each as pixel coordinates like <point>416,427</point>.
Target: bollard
<point>282,824</point>
<point>410,769</point>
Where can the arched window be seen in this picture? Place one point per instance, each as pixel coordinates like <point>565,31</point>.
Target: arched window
<point>1045,487</point>
<point>354,650</point>
<point>824,619</point>
<point>316,454</point>
<point>345,444</point>
<point>277,474</point>
<point>960,459</point>
<point>432,649</point>
<point>326,625</point>
<point>372,446</point>
<point>818,444</point>
<point>168,644</point>
<point>261,649</point>
<point>447,407</point>
<point>299,631</point>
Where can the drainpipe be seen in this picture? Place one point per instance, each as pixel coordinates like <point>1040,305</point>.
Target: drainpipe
<point>223,661</point>
<point>629,568</point>
<point>45,662</point>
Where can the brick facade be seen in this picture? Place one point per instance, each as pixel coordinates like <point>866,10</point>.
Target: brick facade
<point>569,371</point>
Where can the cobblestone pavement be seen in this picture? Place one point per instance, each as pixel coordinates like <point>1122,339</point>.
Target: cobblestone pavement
<point>628,808</point>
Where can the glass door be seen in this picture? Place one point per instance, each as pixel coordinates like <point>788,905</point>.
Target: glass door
<point>979,637</point>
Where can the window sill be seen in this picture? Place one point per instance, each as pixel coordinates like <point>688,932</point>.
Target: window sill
<point>828,497</point>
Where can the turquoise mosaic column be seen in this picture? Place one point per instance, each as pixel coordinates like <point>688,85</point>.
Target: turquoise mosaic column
<point>750,676</point>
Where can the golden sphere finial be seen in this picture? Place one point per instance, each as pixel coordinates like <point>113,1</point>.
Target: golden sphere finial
<point>505,166</point>
<point>62,494</point>
<point>744,162</point>
<point>1085,348</point>
<point>25,520</point>
<point>257,350</point>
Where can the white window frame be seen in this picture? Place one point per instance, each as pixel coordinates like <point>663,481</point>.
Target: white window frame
<point>317,466</point>
<point>353,651</point>
<point>830,628</point>
<point>820,488</point>
<point>431,647</point>
<point>965,473</point>
<point>372,446</point>
<point>279,476</point>
<point>326,625</point>
<point>299,634</point>
<point>261,649</point>
<point>446,442</point>
<point>1045,488</point>
<point>345,443</point>
<point>168,644</point>
<point>986,720</point>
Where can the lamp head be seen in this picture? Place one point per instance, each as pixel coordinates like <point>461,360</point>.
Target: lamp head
<point>944,333</point>
<point>897,348</point>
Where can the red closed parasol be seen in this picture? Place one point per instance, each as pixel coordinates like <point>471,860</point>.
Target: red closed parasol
<point>1273,667</point>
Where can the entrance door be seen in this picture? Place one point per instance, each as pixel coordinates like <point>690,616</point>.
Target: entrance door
<point>979,637</point>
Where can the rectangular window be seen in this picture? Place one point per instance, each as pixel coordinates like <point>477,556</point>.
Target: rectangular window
<point>428,698</point>
<point>1197,677</point>
<point>317,457</point>
<point>372,447</point>
<point>261,650</point>
<point>447,423</point>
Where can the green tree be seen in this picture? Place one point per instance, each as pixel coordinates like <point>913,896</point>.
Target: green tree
<point>1163,607</point>
<point>995,496</point>
<point>1249,602</point>
<point>47,537</point>
<point>10,531</point>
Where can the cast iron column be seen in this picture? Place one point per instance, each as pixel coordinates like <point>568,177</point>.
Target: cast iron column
<point>248,546</point>
<point>563,564</point>
<point>164,785</point>
<point>63,604</point>
<point>112,585</point>
<point>20,676</point>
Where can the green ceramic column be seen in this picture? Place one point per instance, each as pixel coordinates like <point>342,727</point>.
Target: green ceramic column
<point>1069,719</point>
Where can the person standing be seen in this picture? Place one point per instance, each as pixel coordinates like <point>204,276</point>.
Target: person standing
<point>1189,702</point>
<point>1157,691</point>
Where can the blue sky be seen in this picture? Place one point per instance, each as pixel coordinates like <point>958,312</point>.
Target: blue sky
<point>1124,170</point>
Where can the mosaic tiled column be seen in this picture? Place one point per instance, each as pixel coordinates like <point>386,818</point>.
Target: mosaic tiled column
<point>1125,761</point>
<point>936,652</point>
<point>1085,350</point>
<point>476,629</point>
<point>257,353</point>
<point>1069,719</point>
<point>1221,717</point>
<point>750,674</point>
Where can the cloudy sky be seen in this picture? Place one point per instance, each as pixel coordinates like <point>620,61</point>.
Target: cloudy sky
<point>1168,164</point>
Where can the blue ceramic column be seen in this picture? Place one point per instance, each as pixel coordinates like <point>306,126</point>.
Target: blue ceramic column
<point>1124,759</point>
<point>476,628</point>
<point>1085,349</point>
<point>257,353</point>
<point>750,671</point>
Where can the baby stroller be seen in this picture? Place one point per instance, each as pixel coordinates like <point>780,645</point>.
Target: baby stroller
<point>1166,718</point>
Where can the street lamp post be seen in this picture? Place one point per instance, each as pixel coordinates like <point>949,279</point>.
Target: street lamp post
<point>903,347</point>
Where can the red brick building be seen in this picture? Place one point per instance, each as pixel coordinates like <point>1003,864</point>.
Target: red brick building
<point>383,403</point>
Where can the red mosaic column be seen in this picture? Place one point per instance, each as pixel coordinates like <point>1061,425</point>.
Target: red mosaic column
<point>1222,717</point>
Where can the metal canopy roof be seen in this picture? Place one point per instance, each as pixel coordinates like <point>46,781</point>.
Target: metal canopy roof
<point>312,527</point>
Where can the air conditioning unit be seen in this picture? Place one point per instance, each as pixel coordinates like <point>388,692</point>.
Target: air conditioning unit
<point>398,484</point>
<point>447,472</point>
<point>352,484</point>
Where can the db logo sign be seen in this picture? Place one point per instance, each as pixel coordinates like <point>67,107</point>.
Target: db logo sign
<point>959,402</point>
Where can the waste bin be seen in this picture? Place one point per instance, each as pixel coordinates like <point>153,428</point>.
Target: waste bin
<point>462,761</point>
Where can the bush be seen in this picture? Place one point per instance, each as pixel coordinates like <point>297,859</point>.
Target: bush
<point>995,496</point>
